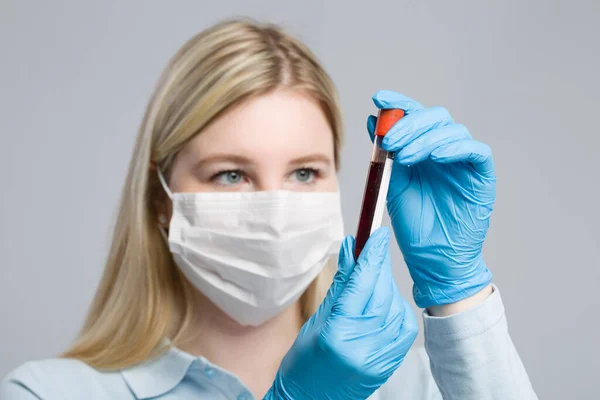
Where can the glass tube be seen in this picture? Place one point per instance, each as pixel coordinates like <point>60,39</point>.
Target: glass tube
<point>378,180</point>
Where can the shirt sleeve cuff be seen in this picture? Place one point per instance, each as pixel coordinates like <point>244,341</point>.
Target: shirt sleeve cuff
<point>466,324</point>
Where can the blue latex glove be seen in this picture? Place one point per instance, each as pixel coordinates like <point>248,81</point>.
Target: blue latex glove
<point>359,335</point>
<point>441,196</point>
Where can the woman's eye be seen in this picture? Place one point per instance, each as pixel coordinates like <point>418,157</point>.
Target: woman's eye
<point>305,175</point>
<point>229,177</point>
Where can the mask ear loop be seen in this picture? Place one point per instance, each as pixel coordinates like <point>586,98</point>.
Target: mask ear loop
<point>163,183</point>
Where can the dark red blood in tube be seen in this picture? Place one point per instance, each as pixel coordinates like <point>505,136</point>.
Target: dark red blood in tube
<point>385,120</point>
<point>368,206</point>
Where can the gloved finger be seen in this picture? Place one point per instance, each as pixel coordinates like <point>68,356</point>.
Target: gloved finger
<point>391,99</point>
<point>388,330</point>
<point>392,355</point>
<point>360,286</point>
<point>395,317</point>
<point>421,148</point>
<point>346,265</point>
<point>399,181</point>
<point>471,151</point>
<point>371,122</point>
<point>380,302</point>
<point>412,126</point>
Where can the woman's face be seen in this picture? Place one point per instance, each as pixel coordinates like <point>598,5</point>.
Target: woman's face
<point>279,141</point>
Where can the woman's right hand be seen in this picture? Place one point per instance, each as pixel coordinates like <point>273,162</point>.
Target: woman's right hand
<point>359,335</point>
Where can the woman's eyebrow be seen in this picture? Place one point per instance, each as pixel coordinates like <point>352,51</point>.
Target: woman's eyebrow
<point>215,158</point>
<point>312,158</point>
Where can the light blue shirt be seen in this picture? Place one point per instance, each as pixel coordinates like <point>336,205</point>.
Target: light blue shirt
<point>469,356</point>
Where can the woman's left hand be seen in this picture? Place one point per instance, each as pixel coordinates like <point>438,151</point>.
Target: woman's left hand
<point>441,196</point>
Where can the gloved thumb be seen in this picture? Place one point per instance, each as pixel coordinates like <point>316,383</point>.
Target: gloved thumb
<point>360,285</point>
<point>371,123</point>
<point>346,265</point>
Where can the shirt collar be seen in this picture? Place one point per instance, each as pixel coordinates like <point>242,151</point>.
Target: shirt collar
<point>157,376</point>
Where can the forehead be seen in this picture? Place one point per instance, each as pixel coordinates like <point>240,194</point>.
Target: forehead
<point>278,125</point>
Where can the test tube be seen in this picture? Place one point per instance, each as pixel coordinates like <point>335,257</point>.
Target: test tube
<point>378,180</point>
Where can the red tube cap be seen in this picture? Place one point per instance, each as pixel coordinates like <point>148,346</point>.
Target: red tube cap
<point>386,119</point>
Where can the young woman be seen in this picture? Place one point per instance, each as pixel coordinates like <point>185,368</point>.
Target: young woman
<point>216,282</point>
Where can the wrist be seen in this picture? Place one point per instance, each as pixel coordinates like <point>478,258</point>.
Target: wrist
<point>446,310</point>
<point>444,286</point>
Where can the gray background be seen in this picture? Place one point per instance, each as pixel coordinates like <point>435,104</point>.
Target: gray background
<point>522,75</point>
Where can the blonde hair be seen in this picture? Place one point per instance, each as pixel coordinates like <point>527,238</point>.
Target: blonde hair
<point>143,297</point>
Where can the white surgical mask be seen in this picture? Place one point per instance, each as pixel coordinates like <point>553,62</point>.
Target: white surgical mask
<point>253,253</point>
